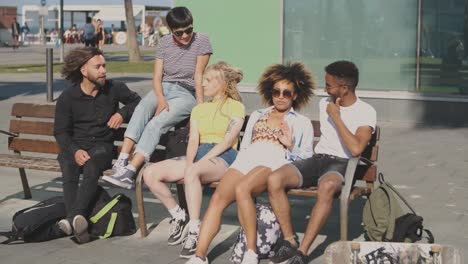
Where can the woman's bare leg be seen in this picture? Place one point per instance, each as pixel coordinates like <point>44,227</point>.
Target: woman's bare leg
<point>222,198</point>
<point>252,185</point>
<point>157,174</point>
<point>202,172</point>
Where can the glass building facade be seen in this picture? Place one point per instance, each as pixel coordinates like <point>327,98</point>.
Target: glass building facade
<point>399,45</point>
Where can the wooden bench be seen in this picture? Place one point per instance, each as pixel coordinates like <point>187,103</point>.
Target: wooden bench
<point>363,168</point>
<point>31,130</point>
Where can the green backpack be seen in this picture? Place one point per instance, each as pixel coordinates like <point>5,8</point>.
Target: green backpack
<point>384,219</point>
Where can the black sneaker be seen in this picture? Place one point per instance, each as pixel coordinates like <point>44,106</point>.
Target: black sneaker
<point>298,258</point>
<point>178,230</point>
<point>190,246</point>
<point>284,250</point>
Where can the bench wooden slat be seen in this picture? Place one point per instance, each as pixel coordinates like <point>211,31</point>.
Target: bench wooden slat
<point>32,127</point>
<point>33,110</point>
<point>371,152</point>
<point>34,145</point>
<point>33,163</point>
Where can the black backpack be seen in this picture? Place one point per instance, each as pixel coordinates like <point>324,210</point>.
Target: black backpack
<point>111,216</point>
<point>37,223</point>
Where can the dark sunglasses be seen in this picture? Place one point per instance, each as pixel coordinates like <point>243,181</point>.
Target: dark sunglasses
<point>286,93</point>
<point>179,33</point>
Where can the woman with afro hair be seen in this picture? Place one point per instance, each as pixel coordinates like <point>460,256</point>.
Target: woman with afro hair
<point>274,136</point>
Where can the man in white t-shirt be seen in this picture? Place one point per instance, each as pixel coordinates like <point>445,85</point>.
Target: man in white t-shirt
<point>346,125</point>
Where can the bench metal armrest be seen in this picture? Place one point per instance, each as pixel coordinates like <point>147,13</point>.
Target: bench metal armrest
<point>8,133</point>
<point>346,190</point>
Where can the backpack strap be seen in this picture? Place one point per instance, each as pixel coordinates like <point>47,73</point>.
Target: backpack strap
<point>105,209</point>
<point>382,181</point>
<point>430,236</point>
<point>10,235</point>
<point>110,226</point>
<point>387,235</point>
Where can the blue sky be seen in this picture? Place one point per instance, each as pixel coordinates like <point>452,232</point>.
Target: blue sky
<point>20,3</point>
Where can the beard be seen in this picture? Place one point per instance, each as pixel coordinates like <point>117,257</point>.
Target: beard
<point>99,82</point>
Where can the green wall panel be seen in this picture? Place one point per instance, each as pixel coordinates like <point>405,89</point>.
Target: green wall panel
<point>244,33</point>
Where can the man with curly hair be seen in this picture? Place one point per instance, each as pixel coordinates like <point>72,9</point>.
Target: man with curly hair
<point>87,117</point>
<point>346,125</point>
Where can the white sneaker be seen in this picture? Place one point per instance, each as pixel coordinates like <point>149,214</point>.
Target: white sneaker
<point>65,226</point>
<point>197,260</point>
<point>80,229</point>
<point>120,164</point>
<point>250,257</point>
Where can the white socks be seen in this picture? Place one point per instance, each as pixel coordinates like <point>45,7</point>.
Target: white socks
<point>177,212</point>
<point>123,156</point>
<point>130,167</point>
<point>194,226</point>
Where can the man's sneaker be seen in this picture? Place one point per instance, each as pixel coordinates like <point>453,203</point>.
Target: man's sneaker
<point>284,250</point>
<point>298,258</point>
<point>178,230</point>
<point>122,178</point>
<point>65,226</point>
<point>250,257</point>
<point>190,246</point>
<point>197,260</point>
<point>119,164</point>
<point>80,229</point>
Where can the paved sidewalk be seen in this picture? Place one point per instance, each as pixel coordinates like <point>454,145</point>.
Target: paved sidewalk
<point>427,164</point>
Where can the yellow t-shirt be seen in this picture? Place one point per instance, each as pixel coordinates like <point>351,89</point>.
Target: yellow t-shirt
<point>213,121</point>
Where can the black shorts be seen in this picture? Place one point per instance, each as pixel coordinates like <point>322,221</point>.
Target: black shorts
<point>311,170</point>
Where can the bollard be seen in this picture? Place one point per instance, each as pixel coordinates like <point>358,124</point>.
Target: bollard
<point>50,75</point>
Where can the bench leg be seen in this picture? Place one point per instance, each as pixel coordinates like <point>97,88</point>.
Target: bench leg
<point>140,204</point>
<point>181,197</point>
<point>24,181</point>
<point>344,219</point>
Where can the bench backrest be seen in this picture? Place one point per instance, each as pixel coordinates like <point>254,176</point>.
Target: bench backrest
<point>38,120</point>
<point>364,171</point>
<point>34,125</point>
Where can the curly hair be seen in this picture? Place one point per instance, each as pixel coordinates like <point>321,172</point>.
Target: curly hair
<point>74,60</point>
<point>230,75</point>
<point>293,72</point>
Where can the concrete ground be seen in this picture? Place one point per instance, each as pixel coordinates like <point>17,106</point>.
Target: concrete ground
<point>428,165</point>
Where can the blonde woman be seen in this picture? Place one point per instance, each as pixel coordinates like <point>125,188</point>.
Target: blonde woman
<point>214,129</point>
<point>100,34</point>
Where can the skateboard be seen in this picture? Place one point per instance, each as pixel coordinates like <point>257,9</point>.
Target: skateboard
<point>391,253</point>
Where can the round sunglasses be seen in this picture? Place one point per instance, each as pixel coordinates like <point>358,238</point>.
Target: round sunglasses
<point>179,33</point>
<point>286,93</point>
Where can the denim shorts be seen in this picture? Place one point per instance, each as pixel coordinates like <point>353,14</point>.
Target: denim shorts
<point>312,170</point>
<point>228,155</point>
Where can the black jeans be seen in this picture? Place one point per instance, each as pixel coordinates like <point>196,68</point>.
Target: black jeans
<point>78,197</point>
<point>90,42</point>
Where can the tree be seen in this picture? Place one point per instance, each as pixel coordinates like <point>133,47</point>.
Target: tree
<point>133,50</point>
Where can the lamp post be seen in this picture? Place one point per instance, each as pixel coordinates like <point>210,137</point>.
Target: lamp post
<point>62,40</point>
